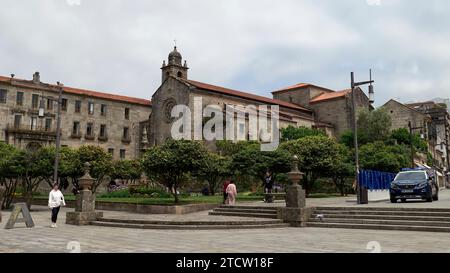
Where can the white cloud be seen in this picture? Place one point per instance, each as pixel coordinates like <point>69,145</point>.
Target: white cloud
<point>118,45</point>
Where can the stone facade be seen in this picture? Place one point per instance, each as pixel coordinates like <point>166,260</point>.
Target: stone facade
<point>402,114</point>
<point>329,106</point>
<point>108,118</point>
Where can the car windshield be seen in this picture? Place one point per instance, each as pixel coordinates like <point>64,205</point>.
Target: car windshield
<point>411,176</point>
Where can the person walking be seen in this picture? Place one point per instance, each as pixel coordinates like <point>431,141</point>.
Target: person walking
<point>225,194</point>
<point>231,193</point>
<point>55,201</point>
<point>268,186</point>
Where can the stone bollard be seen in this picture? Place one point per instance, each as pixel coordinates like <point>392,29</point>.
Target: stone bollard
<point>84,202</point>
<point>295,211</point>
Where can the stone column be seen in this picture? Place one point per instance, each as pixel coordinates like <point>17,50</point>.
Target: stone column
<point>295,211</point>
<point>84,202</point>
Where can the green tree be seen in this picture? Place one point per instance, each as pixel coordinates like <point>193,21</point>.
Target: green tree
<point>253,162</point>
<point>381,157</point>
<point>129,170</point>
<point>402,136</point>
<point>216,169</point>
<point>317,154</point>
<point>374,125</point>
<point>100,160</point>
<point>293,133</point>
<point>173,161</point>
<point>9,173</point>
<point>343,170</point>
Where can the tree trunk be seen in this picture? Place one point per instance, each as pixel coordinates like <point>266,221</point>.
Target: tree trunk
<point>175,193</point>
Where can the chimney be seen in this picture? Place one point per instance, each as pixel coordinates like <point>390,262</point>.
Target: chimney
<point>36,77</point>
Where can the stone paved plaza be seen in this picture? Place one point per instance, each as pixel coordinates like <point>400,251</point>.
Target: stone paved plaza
<point>298,240</point>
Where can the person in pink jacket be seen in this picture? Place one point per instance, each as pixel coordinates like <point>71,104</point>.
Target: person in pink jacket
<point>232,193</point>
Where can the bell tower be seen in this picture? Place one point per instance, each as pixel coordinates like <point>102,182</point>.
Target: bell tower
<point>174,67</point>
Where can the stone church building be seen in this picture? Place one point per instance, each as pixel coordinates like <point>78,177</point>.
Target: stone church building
<point>127,126</point>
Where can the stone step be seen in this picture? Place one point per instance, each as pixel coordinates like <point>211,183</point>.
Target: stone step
<point>385,217</point>
<point>248,207</point>
<point>187,227</point>
<point>379,227</point>
<point>244,214</point>
<point>363,208</point>
<point>189,223</point>
<point>245,210</point>
<point>382,222</point>
<point>384,212</point>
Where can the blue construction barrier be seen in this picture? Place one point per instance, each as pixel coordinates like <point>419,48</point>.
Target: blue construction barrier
<point>375,180</point>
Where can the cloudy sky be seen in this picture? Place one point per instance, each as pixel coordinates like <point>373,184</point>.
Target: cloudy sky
<point>258,46</point>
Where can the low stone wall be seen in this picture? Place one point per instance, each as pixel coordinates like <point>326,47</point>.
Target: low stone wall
<point>136,208</point>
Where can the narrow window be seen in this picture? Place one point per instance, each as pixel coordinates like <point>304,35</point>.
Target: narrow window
<point>111,151</point>
<point>122,153</point>
<point>17,121</point>
<point>103,131</point>
<point>78,106</point>
<point>127,113</point>
<point>64,104</point>
<point>3,94</point>
<point>33,123</point>
<point>76,128</point>
<point>91,108</point>
<point>49,104</point>
<point>48,124</point>
<point>126,133</point>
<point>103,110</point>
<point>19,98</point>
<point>34,101</point>
<point>89,129</point>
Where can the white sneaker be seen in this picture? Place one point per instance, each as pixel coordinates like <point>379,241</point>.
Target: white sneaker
<point>53,225</point>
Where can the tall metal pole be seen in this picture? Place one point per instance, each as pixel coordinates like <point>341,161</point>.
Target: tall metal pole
<point>355,138</point>
<point>411,144</point>
<point>58,135</point>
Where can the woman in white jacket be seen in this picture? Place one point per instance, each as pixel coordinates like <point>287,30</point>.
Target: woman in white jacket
<point>55,200</point>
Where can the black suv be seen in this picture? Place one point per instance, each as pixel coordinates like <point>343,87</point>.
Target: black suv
<point>415,184</point>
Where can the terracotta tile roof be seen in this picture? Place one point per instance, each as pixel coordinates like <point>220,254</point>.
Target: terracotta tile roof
<point>330,96</point>
<point>244,95</point>
<point>301,85</point>
<point>85,92</point>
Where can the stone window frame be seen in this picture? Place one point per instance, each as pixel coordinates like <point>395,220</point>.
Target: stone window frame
<point>35,101</point>
<point>103,109</point>
<point>19,102</point>
<point>90,127</point>
<point>91,108</point>
<point>123,154</point>
<point>76,133</point>
<point>64,104</point>
<point>3,95</point>
<point>104,136</point>
<point>47,126</point>
<point>17,117</point>
<point>78,105</point>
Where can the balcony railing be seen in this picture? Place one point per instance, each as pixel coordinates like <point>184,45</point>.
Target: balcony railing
<point>30,129</point>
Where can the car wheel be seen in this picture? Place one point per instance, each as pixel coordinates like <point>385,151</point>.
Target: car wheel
<point>430,199</point>
<point>393,200</point>
<point>403,200</point>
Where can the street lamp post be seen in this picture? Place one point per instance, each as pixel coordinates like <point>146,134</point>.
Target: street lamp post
<point>359,190</point>
<point>58,127</point>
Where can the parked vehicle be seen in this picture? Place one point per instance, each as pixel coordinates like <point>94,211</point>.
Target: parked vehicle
<point>415,184</point>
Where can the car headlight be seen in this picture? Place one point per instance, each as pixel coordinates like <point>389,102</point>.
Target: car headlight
<point>422,185</point>
<point>394,186</point>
